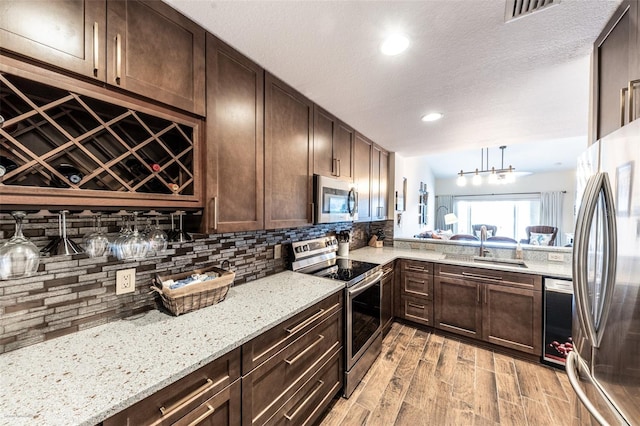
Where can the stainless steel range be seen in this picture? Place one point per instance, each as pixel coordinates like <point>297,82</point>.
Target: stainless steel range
<point>362,301</point>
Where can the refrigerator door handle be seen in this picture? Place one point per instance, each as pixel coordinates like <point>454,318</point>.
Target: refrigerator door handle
<point>594,330</point>
<point>580,256</point>
<point>575,366</point>
<point>611,258</point>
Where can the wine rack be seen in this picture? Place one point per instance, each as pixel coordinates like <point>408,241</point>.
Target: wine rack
<point>70,148</point>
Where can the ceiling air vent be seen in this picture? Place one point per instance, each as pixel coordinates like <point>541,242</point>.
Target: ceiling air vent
<point>519,8</point>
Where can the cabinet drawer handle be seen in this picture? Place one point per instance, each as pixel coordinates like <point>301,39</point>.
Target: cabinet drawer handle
<point>486,292</point>
<point>334,167</point>
<point>477,294</point>
<point>215,213</point>
<point>415,305</point>
<point>630,89</point>
<point>306,322</point>
<point>482,277</point>
<point>290,417</point>
<point>303,353</point>
<point>118,58</point>
<point>188,399</point>
<point>313,212</point>
<point>96,48</point>
<point>414,268</point>
<point>623,105</point>
<point>338,161</point>
<point>210,411</point>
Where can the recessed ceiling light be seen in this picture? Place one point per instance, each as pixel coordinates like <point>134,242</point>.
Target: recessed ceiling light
<point>394,44</point>
<point>432,116</point>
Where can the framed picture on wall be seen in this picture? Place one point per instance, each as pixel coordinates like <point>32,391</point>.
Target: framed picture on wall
<point>624,178</point>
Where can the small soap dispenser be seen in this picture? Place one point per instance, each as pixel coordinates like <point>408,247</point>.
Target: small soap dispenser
<point>519,253</point>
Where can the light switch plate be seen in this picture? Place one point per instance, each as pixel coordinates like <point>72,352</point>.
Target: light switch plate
<point>125,281</point>
<point>277,251</point>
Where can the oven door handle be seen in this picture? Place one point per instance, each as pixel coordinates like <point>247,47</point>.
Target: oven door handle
<point>364,284</point>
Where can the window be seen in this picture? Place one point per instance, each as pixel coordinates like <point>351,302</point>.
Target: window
<point>510,213</point>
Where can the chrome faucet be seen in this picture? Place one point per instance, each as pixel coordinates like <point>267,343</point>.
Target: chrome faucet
<point>483,238</point>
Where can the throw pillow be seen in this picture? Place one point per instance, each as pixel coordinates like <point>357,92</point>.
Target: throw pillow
<point>489,233</point>
<point>539,239</point>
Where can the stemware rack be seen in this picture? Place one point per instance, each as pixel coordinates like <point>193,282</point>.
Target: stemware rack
<point>69,148</point>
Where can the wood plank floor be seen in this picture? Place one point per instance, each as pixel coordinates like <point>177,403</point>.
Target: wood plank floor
<point>423,378</point>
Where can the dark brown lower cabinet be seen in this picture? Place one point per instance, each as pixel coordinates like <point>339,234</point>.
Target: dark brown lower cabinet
<point>386,298</point>
<point>221,409</point>
<point>503,308</point>
<point>209,395</point>
<point>457,306</point>
<point>512,317</point>
<point>285,387</point>
<point>415,301</point>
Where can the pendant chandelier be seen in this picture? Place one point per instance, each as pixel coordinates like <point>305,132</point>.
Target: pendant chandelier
<point>493,175</point>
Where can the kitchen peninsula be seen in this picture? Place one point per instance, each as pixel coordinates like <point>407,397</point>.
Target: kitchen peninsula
<point>88,376</point>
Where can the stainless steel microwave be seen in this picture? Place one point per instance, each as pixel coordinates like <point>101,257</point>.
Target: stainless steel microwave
<point>334,200</point>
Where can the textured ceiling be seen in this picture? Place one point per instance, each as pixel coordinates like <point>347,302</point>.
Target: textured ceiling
<point>525,82</point>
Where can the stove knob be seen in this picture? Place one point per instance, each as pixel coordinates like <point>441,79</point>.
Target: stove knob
<point>305,247</point>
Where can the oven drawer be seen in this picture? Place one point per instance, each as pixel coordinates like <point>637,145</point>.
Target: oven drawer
<point>271,384</point>
<point>417,309</point>
<point>416,284</point>
<point>271,342</point>
<point>311,399</point>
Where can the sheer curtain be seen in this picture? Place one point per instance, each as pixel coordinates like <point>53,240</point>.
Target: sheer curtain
<point>444,205</point>
<point>551,211</point>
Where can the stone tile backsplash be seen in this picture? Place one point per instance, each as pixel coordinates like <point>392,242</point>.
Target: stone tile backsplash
<point>71,293</point>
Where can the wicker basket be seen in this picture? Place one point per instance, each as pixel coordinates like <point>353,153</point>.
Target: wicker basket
<point>194,296</point>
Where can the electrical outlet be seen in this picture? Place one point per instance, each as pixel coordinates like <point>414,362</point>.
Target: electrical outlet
<point>277,251</point>
<point>125,281</point>
<point>557,257</point>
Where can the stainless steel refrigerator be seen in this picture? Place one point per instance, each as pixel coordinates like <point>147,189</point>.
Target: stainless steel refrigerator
<point>604,367</point>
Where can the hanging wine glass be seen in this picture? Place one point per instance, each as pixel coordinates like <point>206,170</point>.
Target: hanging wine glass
<point>62,245</point>
<point>96,242</point>
<point>135,246</point>
<point>19,257</point>
<point>118,241</point>
<point>157,239</point>
<point>178,234</point>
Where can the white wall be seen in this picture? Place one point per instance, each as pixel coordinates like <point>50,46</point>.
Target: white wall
<point>416,170</point>
<point>538,182</point>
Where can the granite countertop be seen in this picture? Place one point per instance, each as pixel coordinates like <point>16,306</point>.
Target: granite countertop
<point>387,254</point>
<point>86,377</point>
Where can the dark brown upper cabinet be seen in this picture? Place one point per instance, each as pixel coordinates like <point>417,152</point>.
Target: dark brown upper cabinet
<point>154,51</point>
<point>616,72</point>
<point>235,141</point>
<point>333,145</point>
<point>144,47</point>
<point>68,34</point>
<point>379,183</point>
<point>288,152</point>
<point>363,154</point>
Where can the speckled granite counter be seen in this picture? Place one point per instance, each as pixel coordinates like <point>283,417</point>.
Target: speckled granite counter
<point>387,254</point>
<point>86,377</point>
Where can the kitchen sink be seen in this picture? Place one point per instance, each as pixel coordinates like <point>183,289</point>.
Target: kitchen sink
<point>498,261</point>
<point>487,260</point>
